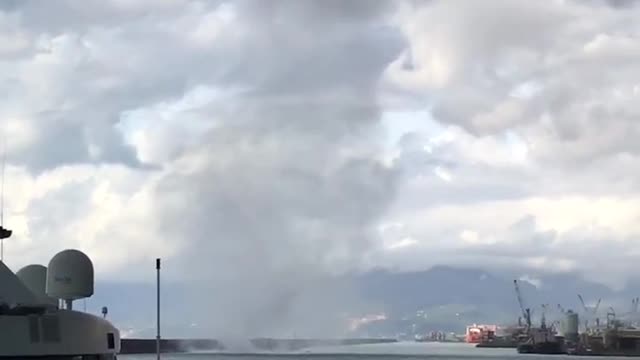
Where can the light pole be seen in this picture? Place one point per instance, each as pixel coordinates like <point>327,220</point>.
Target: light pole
<point>158,308</point>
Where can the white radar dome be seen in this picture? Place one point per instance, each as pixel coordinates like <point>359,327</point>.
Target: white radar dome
<point>70,275</point>
<point>34,277</point>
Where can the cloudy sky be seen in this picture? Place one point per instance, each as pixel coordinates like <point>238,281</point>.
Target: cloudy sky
<point>250,142</point>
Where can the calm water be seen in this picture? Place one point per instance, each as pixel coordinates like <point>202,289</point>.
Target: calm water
<point>398,351</point>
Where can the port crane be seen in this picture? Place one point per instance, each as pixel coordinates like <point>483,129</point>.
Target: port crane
<point>564,312</point>
<point>593,310</point>
<point>634,311</point>
<point>631,317</point>
<point>543,317</point>
<point>526,312</point>
<point>589,312</point>
<point>611,317</point>
<point>634,308</point>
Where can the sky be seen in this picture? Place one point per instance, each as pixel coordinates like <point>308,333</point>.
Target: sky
<point>261,145</point>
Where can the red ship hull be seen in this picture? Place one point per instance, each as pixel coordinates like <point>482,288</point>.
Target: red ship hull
<point>476,334</point>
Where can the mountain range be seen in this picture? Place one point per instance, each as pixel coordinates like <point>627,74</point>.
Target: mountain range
<point>441,298</point>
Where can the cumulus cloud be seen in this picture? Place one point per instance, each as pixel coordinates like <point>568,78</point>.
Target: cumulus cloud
<point>581,70</point>
<point>537,106</point>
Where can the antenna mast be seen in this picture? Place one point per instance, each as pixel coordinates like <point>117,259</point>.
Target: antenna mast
<point>4,233</point>
<point>4,161</point>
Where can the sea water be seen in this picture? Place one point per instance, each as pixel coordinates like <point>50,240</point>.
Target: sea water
<point>393,351</point>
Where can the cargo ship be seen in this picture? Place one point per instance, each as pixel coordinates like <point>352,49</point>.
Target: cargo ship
<point>542,340</point>
<point>439,336</point>
<point>612,341</point>
<point>475,334</point>
<point>507,337</point>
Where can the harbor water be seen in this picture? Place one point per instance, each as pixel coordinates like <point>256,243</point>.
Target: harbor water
<point>395,351</point>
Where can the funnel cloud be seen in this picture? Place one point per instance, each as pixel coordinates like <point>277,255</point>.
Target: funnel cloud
<point>289,184</point>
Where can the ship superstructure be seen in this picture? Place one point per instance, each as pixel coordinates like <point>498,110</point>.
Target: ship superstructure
<point>37,319</point>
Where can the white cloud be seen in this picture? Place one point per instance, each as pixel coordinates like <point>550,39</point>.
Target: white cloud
<point>159,132</point>
<point>469,236</point>
<point>105,211</point>
<point>402,243</point>
<point>533,115</point>
<point>443,174</point>
<point>531,280</point>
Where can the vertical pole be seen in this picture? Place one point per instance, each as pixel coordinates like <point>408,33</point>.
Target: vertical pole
<point>158,308</point>
<point>2,166</point>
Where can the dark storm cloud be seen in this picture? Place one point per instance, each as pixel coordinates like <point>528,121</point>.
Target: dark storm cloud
<point>107,60</point>
<point>76,81</point>
<point>621,3</point>
<point>289,187</point>
<point>280,208</point>
<point>282,191</point>
<point>63,142</point>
